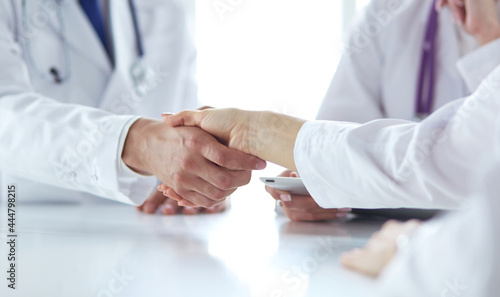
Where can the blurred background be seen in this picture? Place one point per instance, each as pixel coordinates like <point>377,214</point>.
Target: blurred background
<point>275,55</point>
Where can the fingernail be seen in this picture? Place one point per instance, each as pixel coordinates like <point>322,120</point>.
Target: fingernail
<point>286,197</point>
<point>345,209</point>
<point>294,174</point>
<point>166,114</point>
<point>260,165</point>
<point>341,215</point>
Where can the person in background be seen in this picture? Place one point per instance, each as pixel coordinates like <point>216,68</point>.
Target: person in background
<point>80,86</point>
<point>383,73</point>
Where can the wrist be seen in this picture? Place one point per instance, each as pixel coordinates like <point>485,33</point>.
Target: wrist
<point>273,137</point>
<point>136,145</point>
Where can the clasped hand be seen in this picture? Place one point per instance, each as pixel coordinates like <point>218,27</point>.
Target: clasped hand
<point>191,162</point>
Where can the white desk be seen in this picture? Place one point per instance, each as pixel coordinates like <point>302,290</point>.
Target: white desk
<point>71,250</point>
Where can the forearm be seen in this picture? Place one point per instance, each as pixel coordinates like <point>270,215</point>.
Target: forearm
<point>273,137</point>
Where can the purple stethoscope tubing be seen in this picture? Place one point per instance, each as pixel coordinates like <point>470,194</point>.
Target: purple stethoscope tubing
<point>425,89</point>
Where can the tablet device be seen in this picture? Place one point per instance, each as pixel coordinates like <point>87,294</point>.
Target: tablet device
<point>293,185</point>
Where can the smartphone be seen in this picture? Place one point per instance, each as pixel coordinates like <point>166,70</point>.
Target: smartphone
<point>293,185</point>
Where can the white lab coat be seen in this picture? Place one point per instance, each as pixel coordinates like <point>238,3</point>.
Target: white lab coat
<point>398,163</point>
<point>455,255</point>
<point>378,73</point>
<point>61,141</point>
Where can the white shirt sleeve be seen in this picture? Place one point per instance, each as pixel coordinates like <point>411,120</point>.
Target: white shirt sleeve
<point>64,145</point>
<point>395,163</point>
<point>475,66</point>
<point>132,184</point>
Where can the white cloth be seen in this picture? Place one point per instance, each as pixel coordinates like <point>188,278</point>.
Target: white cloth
<point>65,140</point>
<point>398,163</point>
<point>456,255</point>
<point>378,72</point>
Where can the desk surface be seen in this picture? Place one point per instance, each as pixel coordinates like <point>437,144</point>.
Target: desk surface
<point>112,250</point>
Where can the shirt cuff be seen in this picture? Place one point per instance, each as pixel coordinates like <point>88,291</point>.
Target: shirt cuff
<point>309,153</point>
<point>135,186</point>
<point>476,66</point>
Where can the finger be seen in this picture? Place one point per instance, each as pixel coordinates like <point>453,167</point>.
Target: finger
<point>286,173</point>
<point>170,207</point>
<point>230,158</point>
<point>298,216</point>
<point>212,192</point>
<point>185,118</point>
<point>457,11</point>
<point>205,107</point>
<point>153,202</point>
<point>216,209</point>
<point>224,179</point>
<point>354,259</point>
<point>191,210</point>
<point>440,4</point>
<point>172,194</point>
<point>197,199</point>
<point>274,193</point>
<point>302,203</point>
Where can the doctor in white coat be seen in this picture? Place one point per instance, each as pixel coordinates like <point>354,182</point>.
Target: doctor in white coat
<point>382,68</point>
<point>80,84</point>
<point>386,163</point>
<point>451,160</point>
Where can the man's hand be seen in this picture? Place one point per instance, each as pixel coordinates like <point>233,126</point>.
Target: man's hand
<point>380,250</point>
<point>169,206</point>
<point>189,160</point>
<point>478,17</point>
<point>304,208</point>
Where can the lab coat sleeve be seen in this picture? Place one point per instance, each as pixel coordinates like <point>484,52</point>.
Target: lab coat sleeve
<point>64,145</point>
<point>354,93</point>
<point>476,66</point>
<point>394,163</point>
<point>453,255</point>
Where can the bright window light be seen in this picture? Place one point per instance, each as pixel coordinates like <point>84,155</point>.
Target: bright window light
<point>267,54</point>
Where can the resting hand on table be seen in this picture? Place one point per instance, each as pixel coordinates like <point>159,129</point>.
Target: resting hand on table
<point>189,160</point>
<point>168,206</point>
<point>303,208</point>
<point>380,249</point>
<point>478,17</point>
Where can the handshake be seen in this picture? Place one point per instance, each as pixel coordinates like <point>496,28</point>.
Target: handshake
<point>203,156</point>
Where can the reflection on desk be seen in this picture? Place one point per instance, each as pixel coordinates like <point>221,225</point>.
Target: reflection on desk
<point>113,250</point>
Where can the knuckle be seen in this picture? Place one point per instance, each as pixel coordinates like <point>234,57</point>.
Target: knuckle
<point>223,181</point>
<point>186,163</point>
<point>192,142</point>
<point>178,180</point>
<point>220,158</point>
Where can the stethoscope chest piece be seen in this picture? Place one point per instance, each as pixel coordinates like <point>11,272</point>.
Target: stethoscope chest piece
<point>144,78</point>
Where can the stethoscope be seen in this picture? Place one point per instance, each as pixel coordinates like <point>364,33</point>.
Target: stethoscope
<point>142,75</point>
<point>425,85</point>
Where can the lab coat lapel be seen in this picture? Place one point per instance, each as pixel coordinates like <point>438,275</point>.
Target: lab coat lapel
<point>80,34</point>
<point>119,96</point>
<point>448,51</point>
